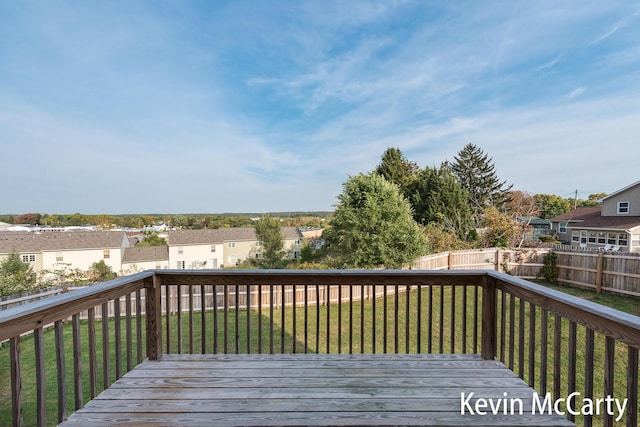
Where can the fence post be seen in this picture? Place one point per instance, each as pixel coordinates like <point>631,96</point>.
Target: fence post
<point>489,318</point>
<point>449,259</point>
<point>498,260</point>
<point>153,298</point>
<point>599,264</point>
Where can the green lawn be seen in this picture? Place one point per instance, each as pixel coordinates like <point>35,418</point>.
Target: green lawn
<point>445,328</point>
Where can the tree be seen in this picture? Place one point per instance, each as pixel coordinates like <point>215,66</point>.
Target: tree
<point>439,199</point>
<point>396,168</point>
<point>476,173</point>
<point>373,226</point>
<point>152,239</point>
<point>101,272</point>
<point>271,238</point>
<point>551,205</point>
<point>15,275</point>
<point>28,218</point>
<point>500,230</point>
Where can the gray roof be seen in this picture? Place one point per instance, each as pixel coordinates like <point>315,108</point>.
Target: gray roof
<point>58,241</point>
<point>146,254</point>
<point>221,235</point>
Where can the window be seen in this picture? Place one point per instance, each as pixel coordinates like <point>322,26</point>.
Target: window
<point>180,250</point>
<point>575,236</point>
<point>28,258</point>
<point>180,265</point>
<point>59,257</point>
<point>562,227</point>
<point>592,237</point>
<point>623,207</point>
<point>258,255</point>
<point>232,244</point>
<point>611,238</point>
<point>602,238</point>
<point>622,239</point>
<point>106,254</point>
<point>213,248</point>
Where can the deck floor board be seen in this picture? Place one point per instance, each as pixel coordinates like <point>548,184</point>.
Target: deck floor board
<point>308,390</point>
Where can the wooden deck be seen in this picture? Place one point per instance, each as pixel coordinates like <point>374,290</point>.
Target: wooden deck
<point>309,389</point>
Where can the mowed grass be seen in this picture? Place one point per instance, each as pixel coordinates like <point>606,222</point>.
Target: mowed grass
<point>338,328</point>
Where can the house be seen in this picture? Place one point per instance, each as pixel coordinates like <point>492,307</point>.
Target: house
<point>66,250</point>
<point>145,258</point>
<point>536,227</point>
<point>615,225</point>
<point>217,248</point>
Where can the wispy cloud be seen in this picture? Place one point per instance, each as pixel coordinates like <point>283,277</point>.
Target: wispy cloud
<point>577,92</point>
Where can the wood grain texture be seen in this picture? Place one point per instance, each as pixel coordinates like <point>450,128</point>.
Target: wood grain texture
<point>310,389</point>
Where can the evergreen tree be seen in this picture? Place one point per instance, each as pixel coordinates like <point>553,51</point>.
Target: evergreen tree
<point>15,275</point>
<point>373,226</point>
<point>439,199</point>
<point>476,173</point>
<point>397,169</point>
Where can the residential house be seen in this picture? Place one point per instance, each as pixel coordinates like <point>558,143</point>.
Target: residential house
<point>68,250</point>
<point>145,258</point>
<point>222,247</point>
<point>615,225</point>
<point>536,227</point>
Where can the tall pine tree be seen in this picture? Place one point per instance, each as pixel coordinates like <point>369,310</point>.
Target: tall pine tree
<point>476,173</point>
<point>397,169</point>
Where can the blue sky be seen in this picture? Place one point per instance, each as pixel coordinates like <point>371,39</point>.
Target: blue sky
<point>257,106</point>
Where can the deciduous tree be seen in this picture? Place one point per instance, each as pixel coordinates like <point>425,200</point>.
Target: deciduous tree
<point>271,238</point>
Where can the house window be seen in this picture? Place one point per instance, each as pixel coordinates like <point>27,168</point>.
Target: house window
<point>623,207</point>
<point>180,265</point>
<point>602,238</point>
<point>59,257</point>
<point>180,250</point>
<point>622,239</point>
<point>28,258</point>
<point>592,237</point>
<point>258,255</point>
<point>575,236</point>
<point>562,227</point>
<point>213,248</point>
<point>232,244</point>
<point>611,238</point>
<point>106,254</point>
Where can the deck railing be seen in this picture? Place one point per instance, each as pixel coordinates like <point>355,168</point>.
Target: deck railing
<point>559,344</point>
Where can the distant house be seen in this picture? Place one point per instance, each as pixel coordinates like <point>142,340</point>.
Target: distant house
<point>73,249</point>
<point>222,247</point>
<point>145,258</point>
<point>615,225</point>
<point>537,227</point>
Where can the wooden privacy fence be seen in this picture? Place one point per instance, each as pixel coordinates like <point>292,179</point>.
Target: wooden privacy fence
<point>600,271</point>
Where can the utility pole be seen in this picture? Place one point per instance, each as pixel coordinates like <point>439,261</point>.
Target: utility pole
<point>575,200</point>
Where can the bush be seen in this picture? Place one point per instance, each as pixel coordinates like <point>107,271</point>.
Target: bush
<point>550,269</point>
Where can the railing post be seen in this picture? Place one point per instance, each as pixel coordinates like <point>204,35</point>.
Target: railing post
<point>153,299</point>
<point>489,318</point>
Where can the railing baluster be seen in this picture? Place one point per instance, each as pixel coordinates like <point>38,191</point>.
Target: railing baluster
<point>139,326</point>
<point>407,322</point>
<point>419,320</point>
<point>328,305</point>
<point>464,319</point>
<point>396,325</point>
<point>503,325</point>
<point>632,386</point>
<point>179,313</point>
<point>317,318</point>
<point>452,337</point>
<point>609,370</point>
<point>215,319</point>
<point>129,332</point>
<point>93,371</point>
<point>77,361</point>
<point>294,318</point>
<point>521,341</point>
<point>306,318</point>
<point>203,319</point>
<point>384,320</point>
<point>62,371</point>
<point>571,374</point>
<point>16,381</point>
<point>362,319</point>
<point>236,320</point>
<point>441,324</point>
<point>475,319</point>
<point>373,320</point>
<point>225,309</point>
<point>271,304</point>
<point>532,344</point>
<point>117,337</point>
<point>167,300</point>
<point>259,319</point>
<point>282,318</point>
<point>190,319</point>
<point>106,360</point>
<point>557,361</point>
<point>512,330</point>
<point>41,395</point>
<point>248,311</point>
<point>544,343</point>
<point>588,371</point>
<point>350,319</point>
<point>430,322</point>
<point>339,319</point>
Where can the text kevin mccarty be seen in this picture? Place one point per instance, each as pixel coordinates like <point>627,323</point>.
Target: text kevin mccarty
<point>573,404</point>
